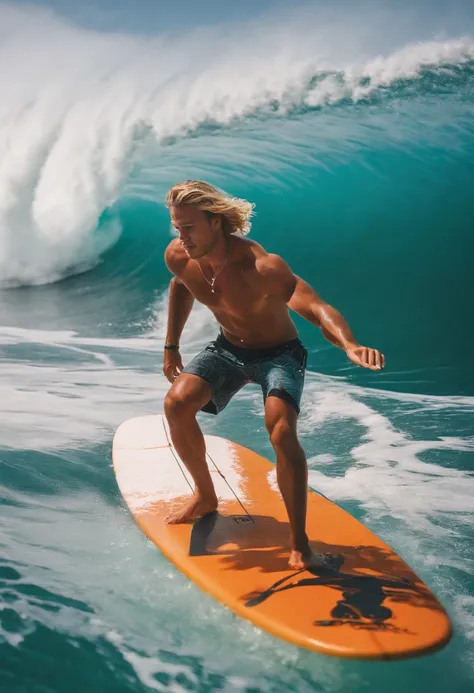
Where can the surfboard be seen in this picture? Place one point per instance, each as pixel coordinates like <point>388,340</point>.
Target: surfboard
<point>363,601</point>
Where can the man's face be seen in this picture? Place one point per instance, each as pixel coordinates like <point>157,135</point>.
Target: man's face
<point>196,230</point>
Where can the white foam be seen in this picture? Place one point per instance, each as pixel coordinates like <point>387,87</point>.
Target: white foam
<point>464,606</point>
<point>384,472</point>
<point>145,668</point>
<point>201,326</point>
<point>70,400</point>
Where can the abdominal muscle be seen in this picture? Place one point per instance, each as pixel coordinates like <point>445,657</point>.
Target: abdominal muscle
<point>258,330</point>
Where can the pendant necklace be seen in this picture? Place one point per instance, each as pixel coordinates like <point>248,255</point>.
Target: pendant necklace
<point>213,280</point>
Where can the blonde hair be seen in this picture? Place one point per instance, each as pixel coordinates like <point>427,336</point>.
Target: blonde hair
<point>235,213</point>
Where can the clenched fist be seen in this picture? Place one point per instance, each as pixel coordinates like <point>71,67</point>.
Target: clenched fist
<point>366,357</point>
<point>172,364</point>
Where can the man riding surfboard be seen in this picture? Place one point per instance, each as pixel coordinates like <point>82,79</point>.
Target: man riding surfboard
<point>250,292</point>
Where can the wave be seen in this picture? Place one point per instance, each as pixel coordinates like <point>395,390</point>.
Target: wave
<point>83,113</point>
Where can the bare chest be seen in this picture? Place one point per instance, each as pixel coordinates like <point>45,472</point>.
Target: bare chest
<point>236,290</point>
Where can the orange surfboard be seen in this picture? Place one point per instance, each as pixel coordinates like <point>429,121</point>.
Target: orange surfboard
<point>364,602</point>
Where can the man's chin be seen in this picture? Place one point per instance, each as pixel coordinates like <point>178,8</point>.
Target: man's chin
<point>195,253</point>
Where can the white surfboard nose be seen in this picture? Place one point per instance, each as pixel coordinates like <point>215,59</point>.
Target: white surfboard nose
<point>141,433</point>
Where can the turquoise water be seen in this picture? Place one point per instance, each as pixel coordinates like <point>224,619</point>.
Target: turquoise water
<point>355,139</point>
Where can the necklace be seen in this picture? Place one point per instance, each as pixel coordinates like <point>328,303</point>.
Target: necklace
<point>213,280</point>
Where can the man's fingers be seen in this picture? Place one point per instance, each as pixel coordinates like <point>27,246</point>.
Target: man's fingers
<point>177,371</point>
<point>374,359</point>
<point>172,369</point>
<point>357,360</point>
<point>367,358</point>
<point>170,374</point>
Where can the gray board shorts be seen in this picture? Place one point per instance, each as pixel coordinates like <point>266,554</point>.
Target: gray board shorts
<point>279,370</point>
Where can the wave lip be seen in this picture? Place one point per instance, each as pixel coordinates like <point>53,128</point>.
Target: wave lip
<point>412,62</point>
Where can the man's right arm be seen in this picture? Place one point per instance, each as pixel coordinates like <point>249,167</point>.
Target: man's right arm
<point>179,307</point>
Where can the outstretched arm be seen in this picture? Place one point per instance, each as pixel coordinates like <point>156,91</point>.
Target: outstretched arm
<point>306,302</point>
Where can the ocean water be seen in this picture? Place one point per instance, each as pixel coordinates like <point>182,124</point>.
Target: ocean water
<point>353,133</point>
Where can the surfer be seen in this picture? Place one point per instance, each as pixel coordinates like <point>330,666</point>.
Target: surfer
<point>249,291</point>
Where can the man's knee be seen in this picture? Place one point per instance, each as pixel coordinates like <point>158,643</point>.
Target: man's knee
<point>280,421</point>
<point>282,432</point>
<point>282,435</point>
<point>186,397</point>
<point>175,403</point>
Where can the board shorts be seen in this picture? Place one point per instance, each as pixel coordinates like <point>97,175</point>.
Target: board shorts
<point>279,370</point>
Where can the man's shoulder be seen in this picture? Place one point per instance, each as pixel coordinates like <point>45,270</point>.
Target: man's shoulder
<point>251,250</point>
<point>176,257</point>
<point>267,264</point>
<point>271,265</point>
<point>273,270</point>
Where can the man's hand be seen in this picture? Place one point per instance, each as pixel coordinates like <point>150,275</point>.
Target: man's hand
<point>366,357</point>
<point>172,365</point>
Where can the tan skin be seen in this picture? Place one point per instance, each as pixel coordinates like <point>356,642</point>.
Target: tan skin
<point>253,293</point>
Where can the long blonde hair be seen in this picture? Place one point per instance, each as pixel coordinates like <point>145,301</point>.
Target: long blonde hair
<point>234,212</point>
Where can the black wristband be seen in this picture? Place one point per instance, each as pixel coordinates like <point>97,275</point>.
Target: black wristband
<point>172,347</point>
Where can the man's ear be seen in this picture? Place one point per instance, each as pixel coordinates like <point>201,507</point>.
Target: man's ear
<point>216,222</point>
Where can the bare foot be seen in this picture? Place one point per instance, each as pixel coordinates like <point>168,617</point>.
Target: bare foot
<point>308,559</point>
<point>197,506</point>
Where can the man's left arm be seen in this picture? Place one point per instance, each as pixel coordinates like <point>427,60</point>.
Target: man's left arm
<point>306,302</point>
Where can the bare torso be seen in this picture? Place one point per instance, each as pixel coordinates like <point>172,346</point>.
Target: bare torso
<point>249,300</point>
